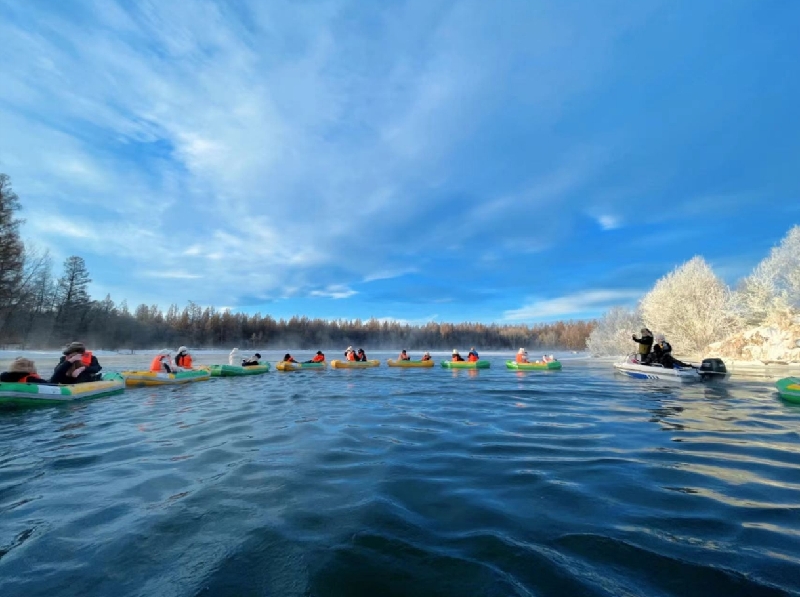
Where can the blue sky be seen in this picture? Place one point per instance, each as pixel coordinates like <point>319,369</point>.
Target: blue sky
<point>494,161</point>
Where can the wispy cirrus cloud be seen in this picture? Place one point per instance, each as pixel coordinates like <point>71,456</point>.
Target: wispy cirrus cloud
<point>334,291</point>
<point>580,303</point>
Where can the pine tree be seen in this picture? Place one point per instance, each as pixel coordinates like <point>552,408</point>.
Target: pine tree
<point>12,250</point>
<point>72,299</point>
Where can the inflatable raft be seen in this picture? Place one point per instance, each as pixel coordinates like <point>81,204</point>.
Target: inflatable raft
<point>394,363</point>
<point>237,370</point>
<point>535,366</point>
<point>31,394</point>
<point>289,366</point>
<point>789,389</point>
<point>465,364</point>
<point>140,379</point>
<point>337,364</point>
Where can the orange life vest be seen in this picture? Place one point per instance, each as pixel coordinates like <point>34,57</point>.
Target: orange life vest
<point>86,358</point>
<point>351,356</point>
<point>28,377</point>
<point>184,360</point>
<point>521,358</point>
<point>472,358</point>
<point>155,366</point>
<point>317,358</point>
<point>426,358</point>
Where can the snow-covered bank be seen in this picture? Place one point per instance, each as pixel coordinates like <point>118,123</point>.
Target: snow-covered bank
<point>772,343</point>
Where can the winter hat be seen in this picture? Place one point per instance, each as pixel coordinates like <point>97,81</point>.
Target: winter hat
<point>22,365</point>
<point>349,348</point>
<point>455,351</point>
<point>427,354</point>
<point>182,349</point>
<point>74,347</point>
<point>320,352</point>
<point>660,338</point>
<point>164,352</point>
<point>521,351</point>
<point>258,356</point>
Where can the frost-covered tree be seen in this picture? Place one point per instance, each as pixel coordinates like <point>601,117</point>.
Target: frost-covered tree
<point>774,284</point>
<point>612,336</point>
<point>691,306</point>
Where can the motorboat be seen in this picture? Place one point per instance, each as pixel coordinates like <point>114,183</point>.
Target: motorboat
<point>708,369</point>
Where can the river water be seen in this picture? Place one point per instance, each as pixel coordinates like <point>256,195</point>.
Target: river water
<point>387,482</point>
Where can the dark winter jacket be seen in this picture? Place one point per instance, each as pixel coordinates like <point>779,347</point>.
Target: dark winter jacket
<point>645,344</point>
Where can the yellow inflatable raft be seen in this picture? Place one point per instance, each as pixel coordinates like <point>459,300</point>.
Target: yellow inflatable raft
<point>394,363</point>
<point>336,364</point>
<point>139,379</point>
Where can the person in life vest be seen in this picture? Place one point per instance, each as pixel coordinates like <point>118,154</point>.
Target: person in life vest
<point>522,356</point>
<point>77,365</point>
<point>253,360</point>
<point>183,359</point>
<point>361,355</point>
<point>350,354</point>
<point>318,358</point>
<point>287,358</point>
<point>21,370</point>
<point>162,362</point>
<point>403,356</point>
<point>473,357</point>
<point>456,357</point>
<point>89,362</point>
<point>645,344</point>
<point>426,356</point>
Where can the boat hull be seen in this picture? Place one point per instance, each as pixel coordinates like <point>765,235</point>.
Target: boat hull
<point>537,366</point>
<point>789,389</point>
<point>410,364</point>
<point>237,370</point>
<point>336,364</point>
<point>466,364</point>
<point>139,379</point>
<point>29,394</point>
<point>637,371</point>
<point>289,366</point>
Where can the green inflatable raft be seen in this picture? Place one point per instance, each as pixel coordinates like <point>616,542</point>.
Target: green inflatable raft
<point>466,364</point>
<point>789,389</point>
<point>31,394</point>
<point>237,370</point>
<point>537,366</point>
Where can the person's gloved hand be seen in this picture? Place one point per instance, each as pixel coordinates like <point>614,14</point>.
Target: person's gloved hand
<point>78,371</point>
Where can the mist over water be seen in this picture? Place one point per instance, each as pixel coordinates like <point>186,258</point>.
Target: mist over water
<point>406,482</point>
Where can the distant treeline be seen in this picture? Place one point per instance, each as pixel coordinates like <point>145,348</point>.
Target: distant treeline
<point>38,310</point>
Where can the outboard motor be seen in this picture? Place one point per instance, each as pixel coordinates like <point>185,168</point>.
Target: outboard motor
<point>713,369</point>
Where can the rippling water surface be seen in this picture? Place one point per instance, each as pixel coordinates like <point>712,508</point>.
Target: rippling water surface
<point>406,482</point>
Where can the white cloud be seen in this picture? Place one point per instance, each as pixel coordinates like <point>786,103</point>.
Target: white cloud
<point>389,274</point>
<point>171,275</point>
<point>608,222</point>
<point>580,303</point>
<point>334,291</point>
